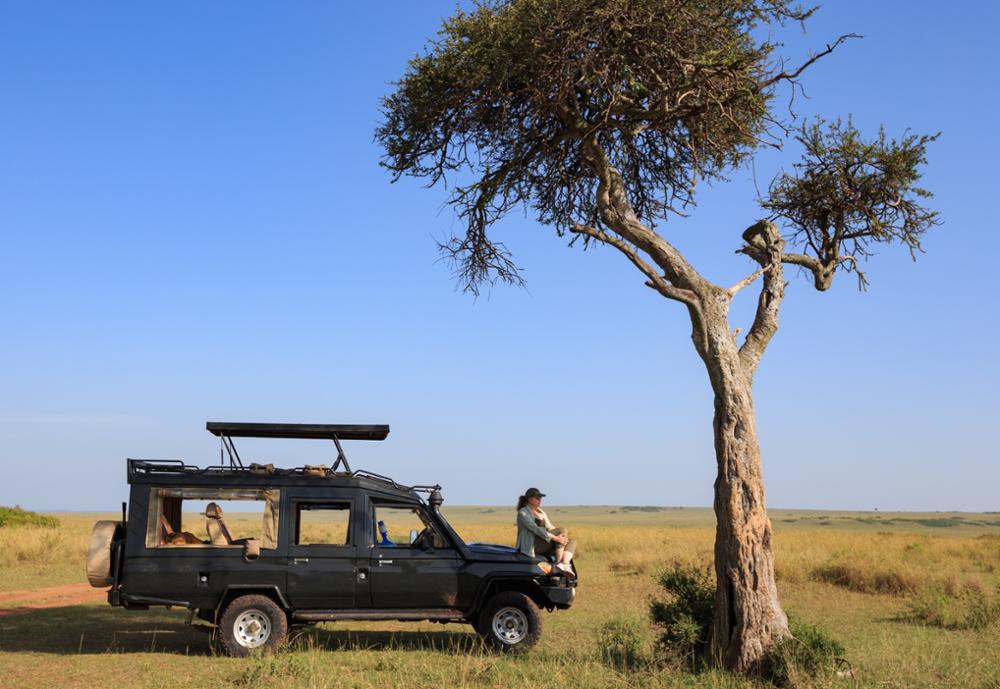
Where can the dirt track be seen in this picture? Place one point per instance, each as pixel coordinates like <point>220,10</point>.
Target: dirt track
<point>29,600</point>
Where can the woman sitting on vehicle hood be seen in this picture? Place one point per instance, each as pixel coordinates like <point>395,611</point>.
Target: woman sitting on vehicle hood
<point>537,536</point>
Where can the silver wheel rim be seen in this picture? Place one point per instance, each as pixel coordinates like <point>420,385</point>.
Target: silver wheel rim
<point>510,625</point>
<point>252,629</point>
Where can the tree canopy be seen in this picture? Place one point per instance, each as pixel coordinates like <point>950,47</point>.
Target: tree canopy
<point>514,102</point>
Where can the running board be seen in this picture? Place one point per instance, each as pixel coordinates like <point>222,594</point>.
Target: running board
<point>435,614</point>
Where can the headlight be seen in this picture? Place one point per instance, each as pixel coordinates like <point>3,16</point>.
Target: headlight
<point>545,567</point>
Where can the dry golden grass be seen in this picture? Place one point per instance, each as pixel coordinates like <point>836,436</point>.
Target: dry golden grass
<point>850,573</point>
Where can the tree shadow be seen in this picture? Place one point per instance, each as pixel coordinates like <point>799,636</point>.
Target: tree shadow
<point>83,629</point>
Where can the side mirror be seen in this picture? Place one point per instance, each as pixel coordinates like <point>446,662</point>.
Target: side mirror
<point>413,536</point>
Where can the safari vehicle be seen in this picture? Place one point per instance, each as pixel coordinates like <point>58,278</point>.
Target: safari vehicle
<point>321,544</point>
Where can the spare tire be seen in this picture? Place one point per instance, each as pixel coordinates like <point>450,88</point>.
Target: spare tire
<point>99,553</point>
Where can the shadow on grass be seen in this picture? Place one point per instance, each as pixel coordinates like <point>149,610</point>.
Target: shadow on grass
<point>464,642</point>
<point>91,629</point>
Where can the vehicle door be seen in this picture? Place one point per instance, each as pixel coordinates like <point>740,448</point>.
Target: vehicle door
<point>322,553</point>
<point>405,574</point>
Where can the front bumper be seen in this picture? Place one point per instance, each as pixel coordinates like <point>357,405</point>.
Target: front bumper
<point>560,596</point>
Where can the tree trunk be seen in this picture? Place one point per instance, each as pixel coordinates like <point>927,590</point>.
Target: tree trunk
<point>748,619</point>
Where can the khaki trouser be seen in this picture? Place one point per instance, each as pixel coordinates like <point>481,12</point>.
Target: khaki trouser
<point>545,548</point>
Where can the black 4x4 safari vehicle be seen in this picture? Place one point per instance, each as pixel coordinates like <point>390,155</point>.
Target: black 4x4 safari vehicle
<point>323,544</point>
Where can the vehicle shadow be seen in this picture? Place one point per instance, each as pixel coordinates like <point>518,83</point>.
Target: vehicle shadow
<point>90,629</point>
<point>375,640</point>
<point>83,629</point>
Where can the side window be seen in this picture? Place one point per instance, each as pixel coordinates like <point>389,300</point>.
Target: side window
<point>212,517</point>
<point>322,523</point>
<point>394,524</point>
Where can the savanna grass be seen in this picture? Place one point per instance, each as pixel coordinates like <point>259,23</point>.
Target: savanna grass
<point>604,641</point>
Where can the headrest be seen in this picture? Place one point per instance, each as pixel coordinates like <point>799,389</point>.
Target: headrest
<point>213,511</point>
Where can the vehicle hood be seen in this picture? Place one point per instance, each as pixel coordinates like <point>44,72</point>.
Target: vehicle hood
<point>493,551</point>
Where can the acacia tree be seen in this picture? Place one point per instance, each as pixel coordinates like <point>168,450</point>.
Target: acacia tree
<point>600,117</point>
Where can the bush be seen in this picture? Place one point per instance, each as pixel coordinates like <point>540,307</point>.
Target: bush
<point>623,644</point>
<point>810,652</point>
<point>685,617</point>
<point>865,579</point>
<point>968,608</point>
<point>15,516</point>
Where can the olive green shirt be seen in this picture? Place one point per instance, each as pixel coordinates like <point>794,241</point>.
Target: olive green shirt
<point>528,530</point>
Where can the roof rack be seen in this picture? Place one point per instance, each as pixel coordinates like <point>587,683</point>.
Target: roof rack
<point>227,430</point>
<point>176,466</point>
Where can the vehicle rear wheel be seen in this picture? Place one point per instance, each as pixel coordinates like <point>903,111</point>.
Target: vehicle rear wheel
<point>510,622</point>
<point>252,624</point>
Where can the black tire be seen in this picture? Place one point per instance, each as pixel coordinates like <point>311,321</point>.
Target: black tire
<point>510,622</point>
<point>252,624</point>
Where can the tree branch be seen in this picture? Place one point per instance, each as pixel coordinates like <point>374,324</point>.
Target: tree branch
<point>655,280</point>
<point>764,244</point>
<point>616,212</point>
<point>747,280</point>
<point>791,76</point>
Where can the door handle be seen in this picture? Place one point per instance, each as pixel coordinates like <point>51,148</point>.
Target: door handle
<point>300,560</point>
<point>384,562</point>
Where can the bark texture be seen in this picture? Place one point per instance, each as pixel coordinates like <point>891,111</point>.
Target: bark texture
<point>748,618</point>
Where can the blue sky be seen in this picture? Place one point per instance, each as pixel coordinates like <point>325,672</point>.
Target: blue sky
<point>194,227</point>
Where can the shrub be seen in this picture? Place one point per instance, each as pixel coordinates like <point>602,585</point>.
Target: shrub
<point>685,617</point>
<point>865,579</point>
<point>810,652</point>
<point>623,645</point>
<point>968,608</point>
<point>15,516</point>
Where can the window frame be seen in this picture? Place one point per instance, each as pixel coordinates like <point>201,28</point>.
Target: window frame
<point>317,504</point>
<point>423,514</point>
<point>158,495</point>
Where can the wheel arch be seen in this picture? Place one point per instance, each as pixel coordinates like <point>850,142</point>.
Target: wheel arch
<point>235,591</point>
<point>499,584</point>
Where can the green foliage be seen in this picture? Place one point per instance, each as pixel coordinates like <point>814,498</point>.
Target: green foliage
<point>528,99</point>
<point>623,644</point>
<point>810,652</point>
<point>685,616</point>
<point>848,194</point>
<point>15,516</point>
<point>867,578</point>
<point>971,607</point>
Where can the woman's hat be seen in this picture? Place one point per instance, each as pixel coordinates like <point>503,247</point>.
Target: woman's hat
<point>534,493</point>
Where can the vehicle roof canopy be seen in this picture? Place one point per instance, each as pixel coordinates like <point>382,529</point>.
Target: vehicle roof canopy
<point>314,431</point>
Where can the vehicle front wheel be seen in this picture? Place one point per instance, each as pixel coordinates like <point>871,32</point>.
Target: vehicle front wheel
<point>510,622</point>
<point>252,624</point>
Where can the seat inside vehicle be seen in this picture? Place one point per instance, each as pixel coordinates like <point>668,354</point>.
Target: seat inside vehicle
<point>218,532</point>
